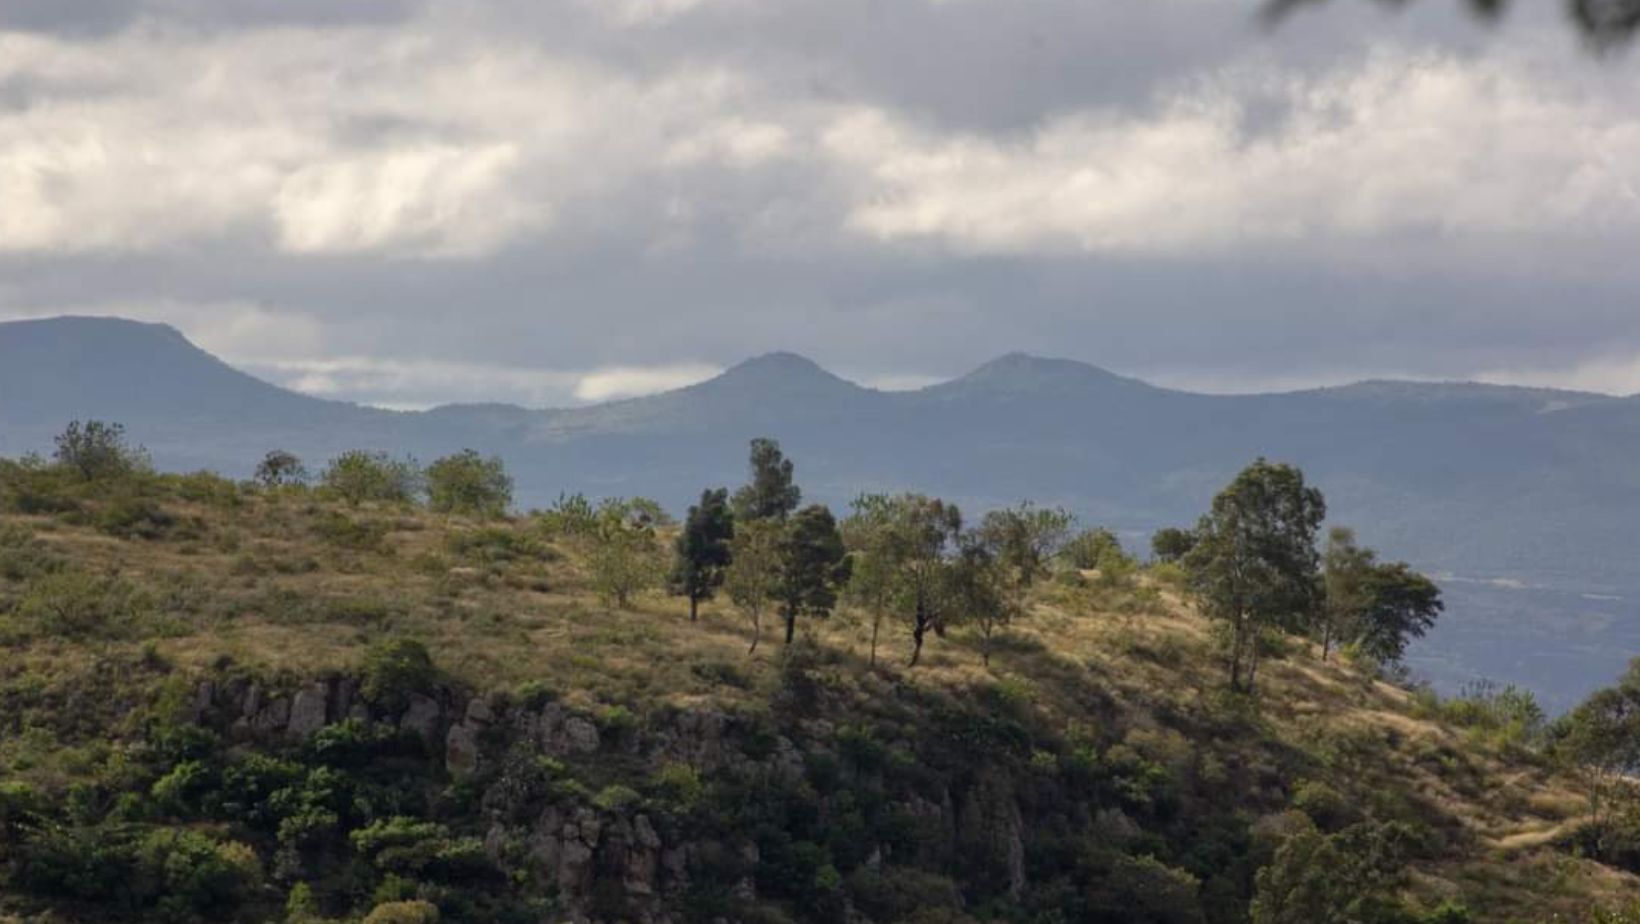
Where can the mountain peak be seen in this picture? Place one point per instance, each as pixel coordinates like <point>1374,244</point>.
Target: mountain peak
<point>1017,372</point>
<point>780,370</point>
<point>779,361</point>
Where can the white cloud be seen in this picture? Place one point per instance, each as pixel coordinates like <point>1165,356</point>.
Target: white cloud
<point>413,383</point>
<point>632,381</point>
<point>399,141</point>
<point>1405,144</point>
<point>893,381</point>
<point>648,13</point>
<point>440,201</point>
<point>733,141</point>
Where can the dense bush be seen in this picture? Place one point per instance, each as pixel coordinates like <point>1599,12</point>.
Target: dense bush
<point>357,476</point>
<point>395,669</point>
<point>414,911</point>
<point>98,451</point>
<point>467,483</point>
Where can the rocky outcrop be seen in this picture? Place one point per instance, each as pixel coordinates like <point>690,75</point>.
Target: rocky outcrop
<point>590,849</point>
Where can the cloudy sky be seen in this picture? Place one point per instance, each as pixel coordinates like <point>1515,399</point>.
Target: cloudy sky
<point>552,201</point>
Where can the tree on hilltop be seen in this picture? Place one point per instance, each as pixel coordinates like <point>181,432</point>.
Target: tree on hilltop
<point>467,483</point>
<point>96,451</point>
<point>1255,565</point>
<point>623,556</point>
<point>1023,539</point>
<point>926,530</point>
<point>280,469</point>
<point>813,566</point>
<point>753,575</point>
<point>1171,544</point>
<point>359,475</point>
<point>1403,606</point>
<point>1346,573</point>
<point>771,494</point>
<point>702,550</point>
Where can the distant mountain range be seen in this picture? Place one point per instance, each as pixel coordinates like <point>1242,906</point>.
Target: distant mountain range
<point>1526,499</point>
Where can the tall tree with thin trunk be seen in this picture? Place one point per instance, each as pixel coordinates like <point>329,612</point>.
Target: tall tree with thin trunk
<point>1346,569</point>
<point>925,530</point>
<point>753,575</point>
<point>1255,564</point>
<point>1022,540</point>
<point>702,549</point>
<point>869,535</point>
<point>982,591</point>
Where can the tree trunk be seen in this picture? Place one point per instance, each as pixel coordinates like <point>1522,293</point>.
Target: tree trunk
<point>985,647</point>
<point>791,625</point>
<point>694,604</point>
<point>757,632</point>
<point>1237,636</point>
<point>917,642</point>
<point>876,623</point>
<point>1255,637</point>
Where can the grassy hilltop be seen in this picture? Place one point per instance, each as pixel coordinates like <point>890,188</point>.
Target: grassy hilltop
<point>233,702</point>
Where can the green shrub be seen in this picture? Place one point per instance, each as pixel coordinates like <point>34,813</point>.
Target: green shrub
<point>496,545</point>
<point>357,476</point>
<point>98,451</point>
<point>1324,805</point>
<point>395,669</point>
<point>198,876</point>
<point>470,484</point>
<point>680,784</point>
<point>616,797</point>
<point>131,516</point>
<point>345,532</point>
<point>535,694</point>
<point>22,556</point>
<point>77,605</point>
<point>408,912</point>
<point>1449,912</point>
<point>722,673</point>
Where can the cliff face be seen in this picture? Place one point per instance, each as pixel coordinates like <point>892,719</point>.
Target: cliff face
<point>616,855</point>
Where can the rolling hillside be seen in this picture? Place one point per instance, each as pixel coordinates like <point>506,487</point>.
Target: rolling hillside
<point>1523,498</point>
<point>256,705</point>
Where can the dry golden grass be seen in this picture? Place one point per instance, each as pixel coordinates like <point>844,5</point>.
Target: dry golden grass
<point>263,586</point>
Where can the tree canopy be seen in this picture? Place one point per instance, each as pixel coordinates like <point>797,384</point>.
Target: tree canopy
<point>771,493</point>
<point>280,469</point>
<point>813,566</point>
<point>1255,565</point>
<point>96,450</point>
<point>468,483</point>
<point>702,549</point>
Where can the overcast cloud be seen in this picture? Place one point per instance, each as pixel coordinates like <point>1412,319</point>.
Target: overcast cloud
<point>557,201</point>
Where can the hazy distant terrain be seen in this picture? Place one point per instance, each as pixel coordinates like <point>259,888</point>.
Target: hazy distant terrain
<point>1525,498</point>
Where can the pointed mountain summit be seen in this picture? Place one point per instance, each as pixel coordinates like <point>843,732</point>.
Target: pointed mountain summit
<point>772,389</point>
<point>781,372</point>
<point>1021,375</point>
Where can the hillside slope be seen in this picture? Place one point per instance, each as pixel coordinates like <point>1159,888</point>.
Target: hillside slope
<point>209,712</point>
<point>1522,496</point>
